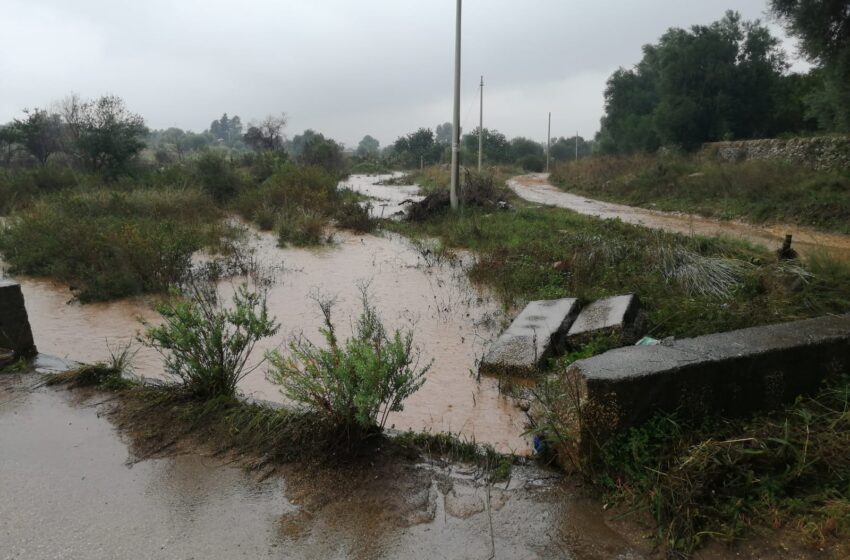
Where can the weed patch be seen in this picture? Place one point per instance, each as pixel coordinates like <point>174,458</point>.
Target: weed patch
<point>720,478</point>
<point>689,285</point>
<point>755,191</point>
<point>109,244</point>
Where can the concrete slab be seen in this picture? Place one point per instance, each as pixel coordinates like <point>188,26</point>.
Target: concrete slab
<point>733,373</point>
<point>614,315</point>
<point>532,338</point>
<point>15,331</point>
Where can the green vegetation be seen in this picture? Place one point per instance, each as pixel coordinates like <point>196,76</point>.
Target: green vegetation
<point>719,478</point>
<point>353,385</point>
<point>690,285</point>
<point>206,345</point>
<point>755,191</point>
<point>823,29</point>
<point>110,243</point>
<point>717,82</point>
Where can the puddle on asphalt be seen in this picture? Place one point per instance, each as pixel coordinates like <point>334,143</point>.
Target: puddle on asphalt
<point>535,188</point>
<point>453,323</point>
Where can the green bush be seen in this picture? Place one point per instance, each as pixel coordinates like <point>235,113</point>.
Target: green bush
<point>355,216</point>
<point>217,176</point>
<point>206,345</point>
<point>19,188</point>
<point>300,227</point>
<point>289,187</point>
<point>353,384</point>
<point>109,244</point>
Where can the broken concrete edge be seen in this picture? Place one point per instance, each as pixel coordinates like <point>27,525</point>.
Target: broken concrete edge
<point>735,373</point>
<point>15,330</point>
<point>532,338</point>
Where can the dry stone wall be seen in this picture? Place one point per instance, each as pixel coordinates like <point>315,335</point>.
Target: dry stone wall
<point>823,153</point>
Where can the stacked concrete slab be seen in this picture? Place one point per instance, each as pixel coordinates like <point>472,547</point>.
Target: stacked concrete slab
<point>614,316</point>
<point>733,373</point>
<point>15,331</point>
<point>534,336</point>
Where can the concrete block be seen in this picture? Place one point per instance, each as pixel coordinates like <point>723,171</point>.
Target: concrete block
<point>534,336</point>
<point>15,331</point>
<point>614,315</point>
<point>733,373</point>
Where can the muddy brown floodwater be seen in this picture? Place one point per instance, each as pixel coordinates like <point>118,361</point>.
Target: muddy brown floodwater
<point>71,487</point>
<point>453,322</point>
<point>536,188</point>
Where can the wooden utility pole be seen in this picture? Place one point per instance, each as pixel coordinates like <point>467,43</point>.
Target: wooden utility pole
<point>456,120</point>
<point>576,145</point>
<point>481,128</point>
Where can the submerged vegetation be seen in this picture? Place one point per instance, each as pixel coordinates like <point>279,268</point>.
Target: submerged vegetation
<point>755,191</point>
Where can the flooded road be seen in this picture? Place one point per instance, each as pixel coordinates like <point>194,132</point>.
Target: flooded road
<point>536,188</point>
<point>453,323</point>
<point>73,488</point>
<point>386,199</point>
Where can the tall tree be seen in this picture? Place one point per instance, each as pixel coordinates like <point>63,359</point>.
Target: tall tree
<point>417,147</point>
<point>496,146</point>
<point>368,146</point>
<point>39,132</point>
<point>266,135</point>
<point>823,27</point>
<point>105,136</point>
<point>707,83</point>
<point>443,134</point>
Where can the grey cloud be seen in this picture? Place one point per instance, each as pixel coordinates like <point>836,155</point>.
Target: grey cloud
<point>346,68</point>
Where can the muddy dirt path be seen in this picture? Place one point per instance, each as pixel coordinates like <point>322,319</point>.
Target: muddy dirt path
<point>72,487</point>
<point>536,188</point>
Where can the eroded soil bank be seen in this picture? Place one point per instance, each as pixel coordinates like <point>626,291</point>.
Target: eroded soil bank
<point>536,188</point>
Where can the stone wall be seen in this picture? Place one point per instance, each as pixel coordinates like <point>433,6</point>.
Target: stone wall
<point>825,152</point>
<point>15,332</point>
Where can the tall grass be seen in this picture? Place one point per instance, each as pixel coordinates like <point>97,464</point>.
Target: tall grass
<point>689,285</point>
<point>298,201</point>
<point>108,243</point>
<point>757,191</point>
<point>720,478</point>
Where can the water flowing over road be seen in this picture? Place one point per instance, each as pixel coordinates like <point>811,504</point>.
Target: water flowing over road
<point>453,321</point>
<point>536,188</point>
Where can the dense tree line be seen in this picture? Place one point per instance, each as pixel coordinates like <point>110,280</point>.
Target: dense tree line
<point>722,81</point>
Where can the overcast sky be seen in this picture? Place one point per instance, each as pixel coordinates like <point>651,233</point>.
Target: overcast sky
<point>342,67</point>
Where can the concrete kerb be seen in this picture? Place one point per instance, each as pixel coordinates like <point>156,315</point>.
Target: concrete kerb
<point>15,331</point>
<point>733,373</point>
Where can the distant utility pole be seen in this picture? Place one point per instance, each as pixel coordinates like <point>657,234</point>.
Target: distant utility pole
<point>548,141</point>
<point>576,145</point>
<point>481,128</point>
<point>456,121</point>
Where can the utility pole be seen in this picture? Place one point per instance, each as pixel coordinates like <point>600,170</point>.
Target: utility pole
<point>481,128</point>
<point>548,141</point>
<point>456,120</point>
<point>576,145</point>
